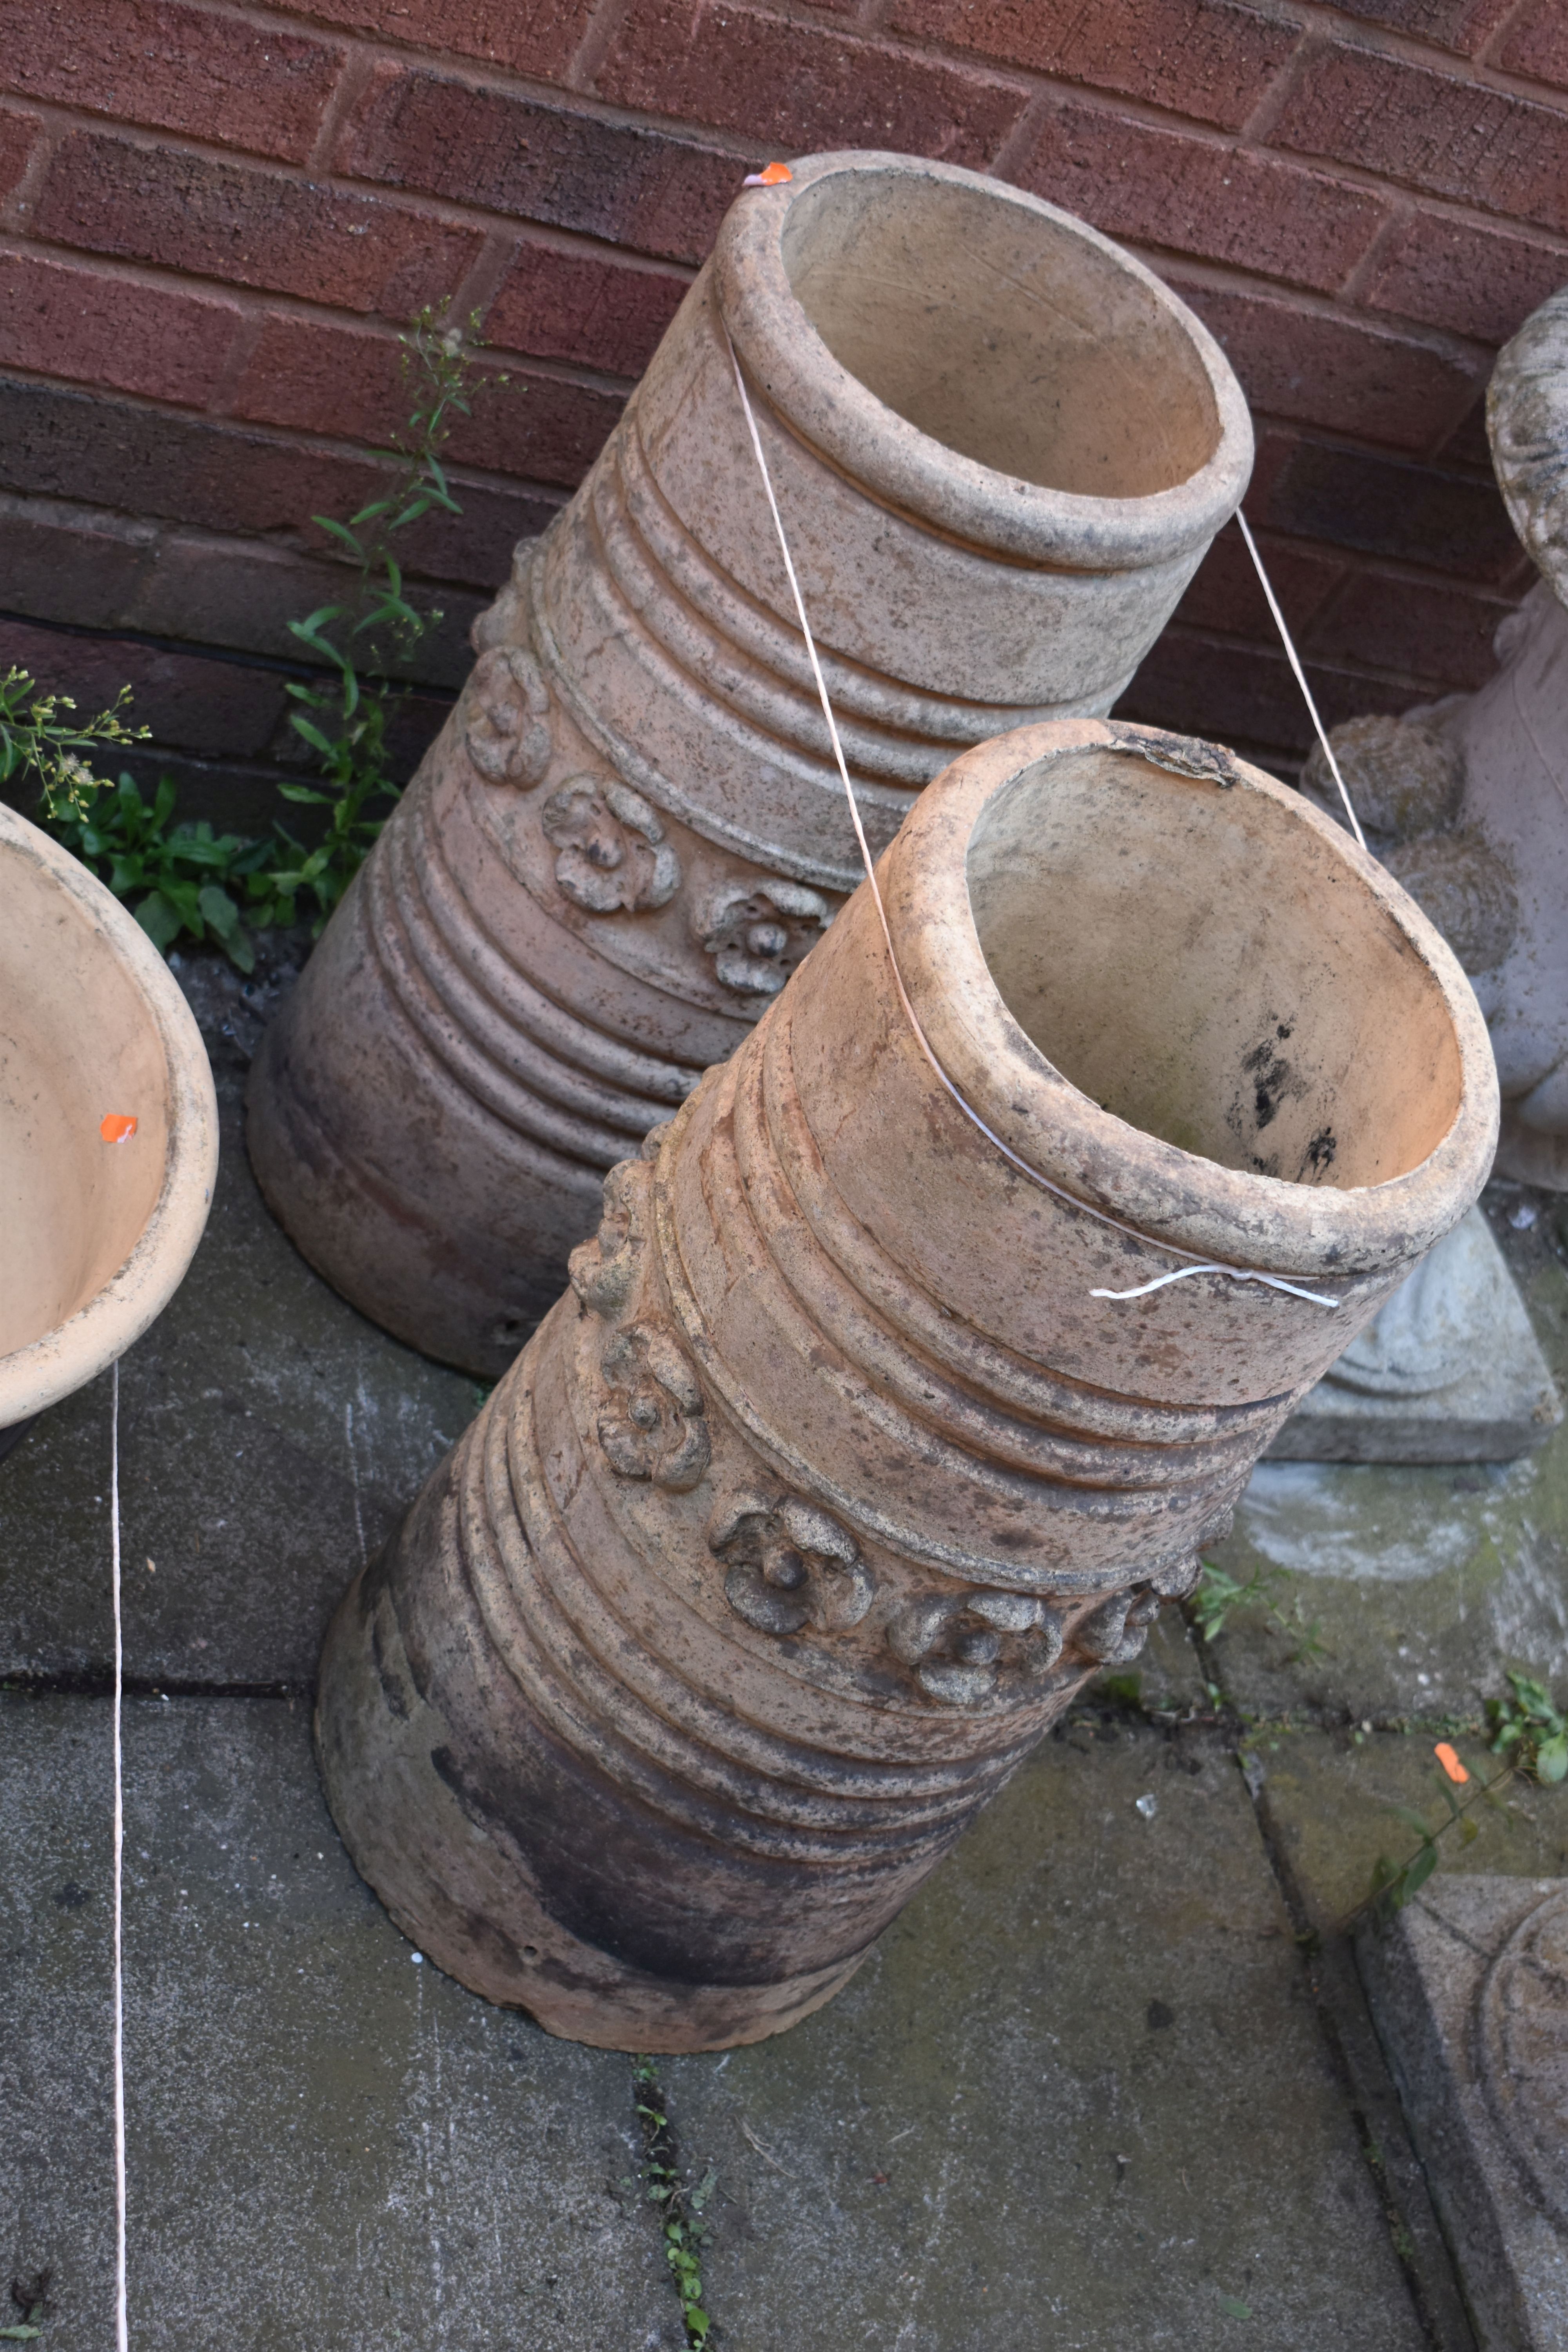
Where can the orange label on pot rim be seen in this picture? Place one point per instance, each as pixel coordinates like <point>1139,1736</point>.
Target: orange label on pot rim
<point>118,1126</point>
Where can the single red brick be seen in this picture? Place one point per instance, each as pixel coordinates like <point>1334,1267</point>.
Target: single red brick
<point>1196,195</point>
<point>1536,45</point>
<point>347,382</point>
<point>556,163</point>
<point>201,71</point>
<point>541,39</point>
<point>248,226</point>
<point>101,451</point>
<point>244,594</point>
<point>1459,138</point>
<point>1467,444</point>
<point>1224,595</point>
<point>324,378</point>
<point>234,795</point>
<point>1208,59</point>
<point>542,427</point>
<point>58,563</point>
<point>199,702</point>
<point>1333,372</point>
<point>795,88</point>
<point>577,306</point>
<point>1421,514</point>
<point>1245,694</point>
<point>65,319</point>
<point>1422,631</point>
<point>17,133</point>
<point>1476,281</point>
<point>1465,26</point>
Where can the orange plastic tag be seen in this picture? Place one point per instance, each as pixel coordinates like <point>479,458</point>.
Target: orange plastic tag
<point>773,177</point>
<point>118,1127</point>
<point>1449,1759</point>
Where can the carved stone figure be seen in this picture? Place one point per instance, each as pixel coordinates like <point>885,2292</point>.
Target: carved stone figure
<point>1001,447</point>
<point>1466,803</point>
<point>847,1457</point>
<point>1468,797</point>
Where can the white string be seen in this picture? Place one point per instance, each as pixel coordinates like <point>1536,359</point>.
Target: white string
<point>1295,661</point>
<point>119,2322</point>
<point>1178,1274</point>
<point>120,2327</point>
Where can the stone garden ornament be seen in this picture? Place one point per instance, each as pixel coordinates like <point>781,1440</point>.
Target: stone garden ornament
<point>1467,800</point>
<point>1000,446</point>
<point>872,1422</point>
<point>1466,803</point>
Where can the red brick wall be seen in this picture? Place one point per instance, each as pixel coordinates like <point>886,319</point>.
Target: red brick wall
<point>216,215</point>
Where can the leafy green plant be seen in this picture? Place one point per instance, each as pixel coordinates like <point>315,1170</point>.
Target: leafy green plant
<point>185,880</point>
<point>37,734</point>
<point>178,882</point>
<point>1529,1730</point>
<point>29,2297</point>
<point>1393,1883</point>
<point>679,2208</point>
<point>1268,1589</point>
<point>375,628</point>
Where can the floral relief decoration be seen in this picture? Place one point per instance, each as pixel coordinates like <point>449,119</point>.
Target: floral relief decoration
<point>614,857</point>
<point>789,1565</point>
<point>508,732</point>
<point>961,1644</point>
<point>652,1423</point>
<point>758,933</point>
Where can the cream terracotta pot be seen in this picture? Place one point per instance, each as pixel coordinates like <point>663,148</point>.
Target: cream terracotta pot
<point>98,1219</point>
<point>1001,447</point>
<point>815,1498</point>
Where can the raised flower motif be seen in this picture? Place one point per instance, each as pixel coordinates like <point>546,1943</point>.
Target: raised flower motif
<point>961,1644</point>
<point>757,933</point>
<point>652,1423</point>
<point>508,732</point>
<point>789,1566</point>
<point>614,857</point>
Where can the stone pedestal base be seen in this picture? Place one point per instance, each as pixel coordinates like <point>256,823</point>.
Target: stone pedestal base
<point>1471,1998</point>
<point>1448,1370</point>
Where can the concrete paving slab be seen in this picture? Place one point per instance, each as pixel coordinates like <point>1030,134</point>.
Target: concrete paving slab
<point>1425,1583</point>
<point>270,1438</point>
<point>1469,1989</point>
<point>1078,2097</point>
<point>1328,1803</point>
<point>328,2142</point>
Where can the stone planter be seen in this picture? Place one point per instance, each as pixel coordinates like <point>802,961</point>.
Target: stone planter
<point>1001,447</point>
<point>815,1498</point>
<point>108,1128</point>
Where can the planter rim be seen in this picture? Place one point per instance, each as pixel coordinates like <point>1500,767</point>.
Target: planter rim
<point>841,417</point>
<point>65,1358</point>
<point>1266,1224</point>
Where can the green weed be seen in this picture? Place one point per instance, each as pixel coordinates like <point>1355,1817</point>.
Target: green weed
<point>1272,1590</point>
<point>679,2208</point>
<point>185,881</point>
<point>1529,1730</point>
<point>36,735</point>
<point>180,882</point>
<point>375,628</point>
